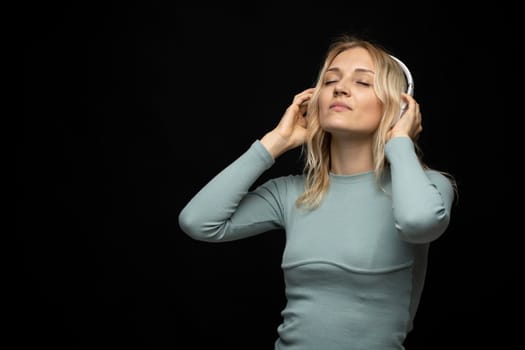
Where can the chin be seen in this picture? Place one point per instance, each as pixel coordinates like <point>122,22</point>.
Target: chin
<point>336,125</point>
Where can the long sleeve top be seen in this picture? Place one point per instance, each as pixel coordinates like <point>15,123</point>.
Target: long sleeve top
<point>354,267</point>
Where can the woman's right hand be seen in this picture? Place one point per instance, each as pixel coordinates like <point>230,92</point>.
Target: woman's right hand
<point>291,131</point>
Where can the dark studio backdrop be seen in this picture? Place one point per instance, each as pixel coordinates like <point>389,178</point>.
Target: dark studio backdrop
<point>129,108</point>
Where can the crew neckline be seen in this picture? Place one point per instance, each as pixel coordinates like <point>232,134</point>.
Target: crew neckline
<point>358,177</point>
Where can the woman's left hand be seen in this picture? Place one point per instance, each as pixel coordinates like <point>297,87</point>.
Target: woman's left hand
<point>409,124</point>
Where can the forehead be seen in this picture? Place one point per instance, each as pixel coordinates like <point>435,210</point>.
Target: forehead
<point>350,59</point>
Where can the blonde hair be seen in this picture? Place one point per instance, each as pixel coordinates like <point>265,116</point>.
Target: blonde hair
<point>389,83</point>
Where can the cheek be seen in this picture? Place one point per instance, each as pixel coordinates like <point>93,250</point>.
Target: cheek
<point>324,101</point>
<point>375,108</point>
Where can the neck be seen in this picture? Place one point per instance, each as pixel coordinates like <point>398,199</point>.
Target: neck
<point>348,157</point>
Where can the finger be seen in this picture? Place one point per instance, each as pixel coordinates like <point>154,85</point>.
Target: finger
<point>303,108</point>
<point>302,97</point>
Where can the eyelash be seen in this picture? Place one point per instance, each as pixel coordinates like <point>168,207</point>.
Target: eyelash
<point>358,82</point>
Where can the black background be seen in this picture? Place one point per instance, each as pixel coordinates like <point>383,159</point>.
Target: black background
<point>130,107</point>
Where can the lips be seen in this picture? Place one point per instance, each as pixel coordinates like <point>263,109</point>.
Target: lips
<point>339,106</point>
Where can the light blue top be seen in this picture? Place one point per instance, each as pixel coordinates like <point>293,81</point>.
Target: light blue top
<point>354,268</point>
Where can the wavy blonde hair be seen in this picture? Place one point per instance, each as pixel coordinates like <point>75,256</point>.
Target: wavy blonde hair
<point>389,83</point>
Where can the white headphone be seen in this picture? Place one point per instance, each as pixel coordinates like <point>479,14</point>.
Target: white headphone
<point>410,82</point>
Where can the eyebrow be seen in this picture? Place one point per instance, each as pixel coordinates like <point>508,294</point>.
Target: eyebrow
<point>364,70</point>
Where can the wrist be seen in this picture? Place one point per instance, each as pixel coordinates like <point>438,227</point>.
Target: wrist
<point>274,143</point>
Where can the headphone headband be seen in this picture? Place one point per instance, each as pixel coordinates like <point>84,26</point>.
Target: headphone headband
<point>408,75</point>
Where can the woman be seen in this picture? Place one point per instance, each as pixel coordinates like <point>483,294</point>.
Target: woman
<point>358,220</point>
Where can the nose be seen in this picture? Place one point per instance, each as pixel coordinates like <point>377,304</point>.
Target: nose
<point>340,90</point>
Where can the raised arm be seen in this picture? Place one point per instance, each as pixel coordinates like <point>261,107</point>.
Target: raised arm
<point>422,199</point>
<point>225,209</point>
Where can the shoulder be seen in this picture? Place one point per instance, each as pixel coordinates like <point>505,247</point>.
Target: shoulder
<point>282,189</point>
<point>287,181</point>
<point>437,175</point>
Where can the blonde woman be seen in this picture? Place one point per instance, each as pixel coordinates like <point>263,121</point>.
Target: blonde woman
<point>358,220</point>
